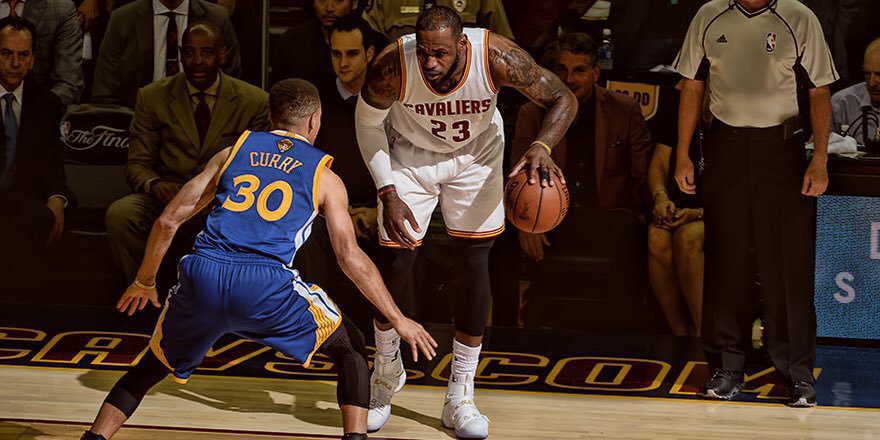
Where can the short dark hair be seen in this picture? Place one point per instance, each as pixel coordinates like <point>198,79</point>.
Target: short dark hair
<point>292,100</point>
<point>20,24</point>
<point>576,43</point>
<point>438,18</point>
<point>351,22</point>
<point>202,26</point>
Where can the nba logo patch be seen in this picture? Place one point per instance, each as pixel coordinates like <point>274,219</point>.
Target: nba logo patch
<point>770,44</point>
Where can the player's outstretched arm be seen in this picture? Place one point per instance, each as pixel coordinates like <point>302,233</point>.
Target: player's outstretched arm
<point>191,199</point>
<point>358,267</point>
<point>512,66</point>
<point>379,93</point>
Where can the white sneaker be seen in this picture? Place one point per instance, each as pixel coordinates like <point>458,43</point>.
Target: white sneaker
<point>463,416</point>
<point>387,380</point>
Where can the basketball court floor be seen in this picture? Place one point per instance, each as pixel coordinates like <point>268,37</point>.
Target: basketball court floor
<point>57,364</point>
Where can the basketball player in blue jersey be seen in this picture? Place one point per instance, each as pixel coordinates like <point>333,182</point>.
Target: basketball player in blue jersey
<point>438,87</point>
<point>269,186</point>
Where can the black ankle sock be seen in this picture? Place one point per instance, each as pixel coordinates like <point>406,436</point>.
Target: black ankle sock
<point>354,436</point>
<point>89,435</point>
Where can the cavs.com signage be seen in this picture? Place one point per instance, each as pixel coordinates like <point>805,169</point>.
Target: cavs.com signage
<point>500,370</point>
<point>646,95</point>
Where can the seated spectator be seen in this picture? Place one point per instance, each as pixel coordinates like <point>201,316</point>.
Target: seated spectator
<point>305,47</point>
<point>395,18</point>
<point>93,16</point>
<point>33,192</point>
<point>675,238</point>
<point>132,55</point>
<point>58,43</point>
<point>604,157</point>
<point>848,103</point>
<point>351,51</point>
<point>179,123</point>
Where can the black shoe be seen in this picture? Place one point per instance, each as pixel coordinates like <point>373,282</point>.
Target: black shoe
<point>89,435</point>
<point>724,384</point>
<point>802,395</point>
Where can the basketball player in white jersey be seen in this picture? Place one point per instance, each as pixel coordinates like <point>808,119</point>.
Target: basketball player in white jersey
<point>439,87</point>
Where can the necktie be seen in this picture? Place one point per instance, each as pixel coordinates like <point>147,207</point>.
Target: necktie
<point>12,4</point>
<point>10,128</point>
<point>172,66</point>
<point>202,116</point>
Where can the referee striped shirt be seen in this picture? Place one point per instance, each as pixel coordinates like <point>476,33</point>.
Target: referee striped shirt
<point>754,60</point>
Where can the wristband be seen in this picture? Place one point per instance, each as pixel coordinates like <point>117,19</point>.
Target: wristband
<point>546,147</point>
<point>142,285</point>
<point>386,189</point>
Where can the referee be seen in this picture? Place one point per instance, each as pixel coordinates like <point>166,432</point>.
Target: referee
<point>757,55</point>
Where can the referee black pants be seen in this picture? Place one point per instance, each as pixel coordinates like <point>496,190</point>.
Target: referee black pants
<point>752,192</point>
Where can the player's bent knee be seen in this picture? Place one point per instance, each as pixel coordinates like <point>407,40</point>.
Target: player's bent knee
<point>131,388</point>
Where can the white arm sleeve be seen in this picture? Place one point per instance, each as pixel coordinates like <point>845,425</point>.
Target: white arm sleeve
<point>370,128</point>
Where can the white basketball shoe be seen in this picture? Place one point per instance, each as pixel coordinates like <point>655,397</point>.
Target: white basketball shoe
<point>387,380</point>
<point>460,411</point>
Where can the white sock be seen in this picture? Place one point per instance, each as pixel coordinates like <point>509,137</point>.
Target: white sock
<point>464,366</point>
<point>387,342</point>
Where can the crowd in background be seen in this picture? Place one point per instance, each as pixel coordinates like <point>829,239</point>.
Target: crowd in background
<point>190,70</point>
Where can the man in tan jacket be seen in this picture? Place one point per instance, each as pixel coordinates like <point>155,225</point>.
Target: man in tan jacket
<point>179,123</point>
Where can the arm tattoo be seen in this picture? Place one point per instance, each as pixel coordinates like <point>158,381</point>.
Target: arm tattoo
<point>384,79</point>
<point>511,66</point>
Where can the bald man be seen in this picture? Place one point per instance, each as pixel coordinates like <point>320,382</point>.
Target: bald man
<point>848,104</point>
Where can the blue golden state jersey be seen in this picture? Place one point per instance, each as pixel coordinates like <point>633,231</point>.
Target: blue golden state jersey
<point>268,196</point>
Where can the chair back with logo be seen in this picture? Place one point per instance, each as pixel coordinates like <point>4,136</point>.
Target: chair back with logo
<point>96,139</point>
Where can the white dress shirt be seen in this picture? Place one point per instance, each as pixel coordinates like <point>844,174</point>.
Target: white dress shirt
<point>160,33</point>
<point>4,8</point>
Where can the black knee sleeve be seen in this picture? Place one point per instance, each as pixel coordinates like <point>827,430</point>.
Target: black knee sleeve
<point>346,348</point>
<point>131,388</point>
<point>473,292</point>
<point>396,266</point>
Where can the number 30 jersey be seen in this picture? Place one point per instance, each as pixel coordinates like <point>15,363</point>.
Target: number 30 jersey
<point>445,122</point>
<point>267,193</point>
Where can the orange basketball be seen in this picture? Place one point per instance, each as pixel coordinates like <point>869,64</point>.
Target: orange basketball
<point>534,209</point>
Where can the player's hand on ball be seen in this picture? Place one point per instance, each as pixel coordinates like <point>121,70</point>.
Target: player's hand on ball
<point>538,165</point>
<point>395,214</point>
<point>417,337</point>
<point>136,298</point>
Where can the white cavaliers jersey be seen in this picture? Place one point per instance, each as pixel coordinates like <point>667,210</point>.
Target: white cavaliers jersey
<point>445,122</point>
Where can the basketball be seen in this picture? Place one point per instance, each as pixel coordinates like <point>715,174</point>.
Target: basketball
<point>532,208</point>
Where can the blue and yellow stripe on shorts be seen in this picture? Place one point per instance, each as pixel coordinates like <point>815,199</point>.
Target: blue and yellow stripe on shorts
<point>325,312</point>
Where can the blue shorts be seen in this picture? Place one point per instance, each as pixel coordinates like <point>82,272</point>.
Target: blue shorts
<point>253,296</point>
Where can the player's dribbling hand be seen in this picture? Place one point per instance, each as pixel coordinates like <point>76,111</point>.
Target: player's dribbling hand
<point>533,244</point>
<point>417,337</point>
<point>395,213</point>
<point>538,159</point>
<point>136,298</point>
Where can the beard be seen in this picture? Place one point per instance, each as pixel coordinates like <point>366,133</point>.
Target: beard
<point>444,83</point>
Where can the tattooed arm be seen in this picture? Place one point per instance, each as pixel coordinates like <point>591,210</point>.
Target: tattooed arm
<point>378,94</point>
<point>510,65</point>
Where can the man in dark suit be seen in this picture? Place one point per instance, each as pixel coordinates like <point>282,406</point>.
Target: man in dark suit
<point>132,56</point>
<point>179,124</point>
<point>605,156</point>
<point>33,193</point>
<point>307,57</point>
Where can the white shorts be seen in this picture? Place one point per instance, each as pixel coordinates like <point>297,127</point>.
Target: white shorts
<point>467,182</point>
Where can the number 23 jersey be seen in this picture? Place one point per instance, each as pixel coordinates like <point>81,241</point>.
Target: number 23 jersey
<point>446,122</point>
<point>268,196</point>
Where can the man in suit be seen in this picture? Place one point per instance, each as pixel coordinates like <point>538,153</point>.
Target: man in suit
<point>33,193</point>
<point>141,46</point>
<point>58,43</point>
<point>605,156</point>
<point>179,123</point>
<point>310,61</point>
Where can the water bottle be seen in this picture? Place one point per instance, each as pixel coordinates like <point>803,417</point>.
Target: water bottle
<point>606,51</point>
